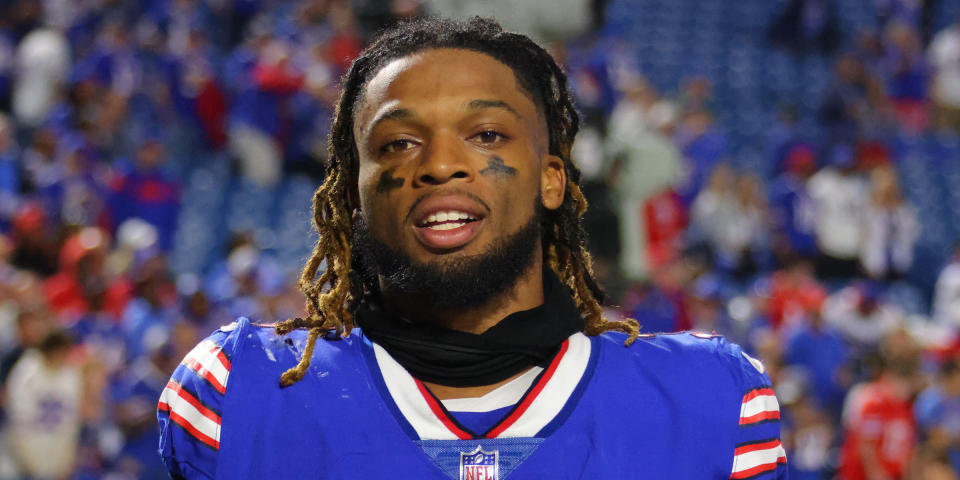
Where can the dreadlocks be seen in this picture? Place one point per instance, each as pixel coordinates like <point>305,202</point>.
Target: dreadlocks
<point>335,292</point>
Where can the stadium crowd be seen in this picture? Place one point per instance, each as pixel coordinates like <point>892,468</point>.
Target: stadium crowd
<point>106,107</point>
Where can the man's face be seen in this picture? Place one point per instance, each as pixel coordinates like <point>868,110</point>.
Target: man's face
<point>453,156</point>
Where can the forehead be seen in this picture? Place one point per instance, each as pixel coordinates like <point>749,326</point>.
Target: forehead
<point>441,74</point>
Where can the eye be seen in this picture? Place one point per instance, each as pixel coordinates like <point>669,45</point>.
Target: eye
<point>398,145</point>
<point>489,137</point>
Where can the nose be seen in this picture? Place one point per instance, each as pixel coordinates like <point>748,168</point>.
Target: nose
<point>444,160</point>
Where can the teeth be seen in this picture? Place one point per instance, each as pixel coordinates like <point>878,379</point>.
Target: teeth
<point>447,216</point>
<point>446,226</point>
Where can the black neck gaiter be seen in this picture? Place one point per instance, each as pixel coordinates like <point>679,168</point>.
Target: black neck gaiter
<point>459,359</point>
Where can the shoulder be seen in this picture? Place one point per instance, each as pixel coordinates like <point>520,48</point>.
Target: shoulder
<point>231,363</point>
<point>707,353</point>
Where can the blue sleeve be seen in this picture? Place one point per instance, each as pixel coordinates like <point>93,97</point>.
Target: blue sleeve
<point>928,409</point>
<point>759,453</point>
<point>190,407</point>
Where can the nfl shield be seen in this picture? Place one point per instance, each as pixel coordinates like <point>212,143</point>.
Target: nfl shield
<point>479,465</point>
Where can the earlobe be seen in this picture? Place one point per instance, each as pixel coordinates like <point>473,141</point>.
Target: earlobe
<point>553,182</point>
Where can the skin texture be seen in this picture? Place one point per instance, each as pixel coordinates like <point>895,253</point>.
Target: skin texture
<point>451,123</point>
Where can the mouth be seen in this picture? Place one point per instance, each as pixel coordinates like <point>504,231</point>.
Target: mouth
<point>447,220</point>
<point>443,224</point>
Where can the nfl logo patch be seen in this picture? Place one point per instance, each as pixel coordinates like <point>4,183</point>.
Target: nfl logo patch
<point>479,465</point>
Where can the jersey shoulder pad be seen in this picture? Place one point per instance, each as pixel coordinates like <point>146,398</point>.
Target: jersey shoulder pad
<point>190,406</point>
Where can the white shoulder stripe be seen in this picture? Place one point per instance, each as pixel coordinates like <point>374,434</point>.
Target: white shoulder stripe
<point>755,461</point>
<point>207,360</point>
<point>759,404</point>
<point>190,414</point>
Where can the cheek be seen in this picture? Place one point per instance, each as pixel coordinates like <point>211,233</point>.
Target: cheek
<point>366,183</point>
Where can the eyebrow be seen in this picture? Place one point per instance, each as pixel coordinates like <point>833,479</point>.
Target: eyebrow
<point>480,104</point>
<point>393,114</point>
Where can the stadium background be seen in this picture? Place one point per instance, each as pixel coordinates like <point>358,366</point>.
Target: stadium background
<point>785,173</point>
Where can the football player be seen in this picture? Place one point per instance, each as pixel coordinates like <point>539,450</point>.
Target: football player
<point>454,325</point>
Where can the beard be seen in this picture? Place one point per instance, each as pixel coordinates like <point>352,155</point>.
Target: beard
<point>461,282</point>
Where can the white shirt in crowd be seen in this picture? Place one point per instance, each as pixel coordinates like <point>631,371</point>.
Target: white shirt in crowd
<point>44,414</point>
<point>862,330</point>
<point>888,239</point>
<point>946,296</point>
<point>839,200</point>
<point>944,56</point>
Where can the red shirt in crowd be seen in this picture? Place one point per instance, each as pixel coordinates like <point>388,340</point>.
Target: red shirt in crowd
<point>880,424</point>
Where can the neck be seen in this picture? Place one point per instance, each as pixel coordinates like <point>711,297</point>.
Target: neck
<point>525,294</point>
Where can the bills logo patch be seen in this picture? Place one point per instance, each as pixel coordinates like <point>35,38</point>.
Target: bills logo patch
<point>479,465</point>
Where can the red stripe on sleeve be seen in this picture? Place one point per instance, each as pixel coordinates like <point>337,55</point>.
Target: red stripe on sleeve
<point>206,412</point>
<point>757,393</point>
<point>756,446</point>
<point>768,415</point>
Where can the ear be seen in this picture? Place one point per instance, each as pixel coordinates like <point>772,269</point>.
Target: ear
<point>553,182</point>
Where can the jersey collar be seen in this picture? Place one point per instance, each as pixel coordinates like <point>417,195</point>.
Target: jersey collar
<point>549,395</point>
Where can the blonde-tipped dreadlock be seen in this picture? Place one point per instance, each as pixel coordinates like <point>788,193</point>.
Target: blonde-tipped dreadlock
<point>332,295</point>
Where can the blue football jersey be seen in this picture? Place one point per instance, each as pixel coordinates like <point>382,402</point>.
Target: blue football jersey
<point>671,406</point>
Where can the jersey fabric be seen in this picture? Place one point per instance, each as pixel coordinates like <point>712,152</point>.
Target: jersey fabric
<point>684,406</point>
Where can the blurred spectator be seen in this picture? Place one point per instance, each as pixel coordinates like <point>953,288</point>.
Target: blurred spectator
<point>645,165</point>
<point>903,11</point>
<point>907,70</point>
<point>35,246</point>
<point>794,295</point>
<point>707,307</point>
<point>880,428</point>
<point>861,315</point>
<point>946,299</point>
<point>9,173</point>
<point>247,283</point>
<point>148,191</point>
<point>944,56</point>
<point>712,203</point>
<point>260,127</point>
<point>938,413</point>
<point>82,284</point>
<point>194,87</point>
<point>44,393</point>
<point>732,215</point>
<point>890,229</point>
<point>136,400</point>
<point>855,103</point>
<point>839,194</point>
<point>33,325</point>
<point>822,352</point>
<point>809,436</point>
<point>792,211</point>
<point>43,63</point>
<point>702,144</point>
<point>151,312</point>
<point>806,27</point>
